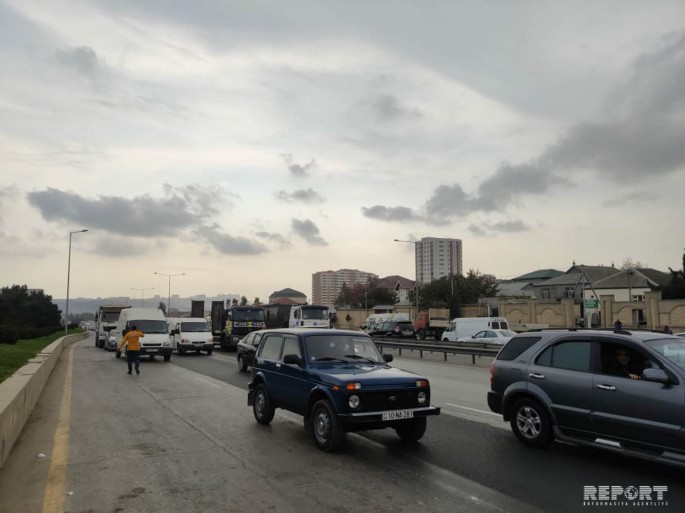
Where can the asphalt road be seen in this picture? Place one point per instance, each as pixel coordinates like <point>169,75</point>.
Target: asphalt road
<point>180,437</point>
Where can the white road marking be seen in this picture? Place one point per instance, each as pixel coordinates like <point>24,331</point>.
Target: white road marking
<point>473,409</point>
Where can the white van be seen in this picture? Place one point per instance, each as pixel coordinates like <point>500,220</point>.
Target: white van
<point>153,323</point>
<point>190,334</point>
<point>468,326</point>
<point>309,316</point>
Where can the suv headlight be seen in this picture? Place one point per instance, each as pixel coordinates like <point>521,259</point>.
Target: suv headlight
<point>353,402</point>
<point>422,397</point>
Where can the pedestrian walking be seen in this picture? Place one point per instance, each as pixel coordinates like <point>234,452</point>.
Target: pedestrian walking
<point>132,342</point>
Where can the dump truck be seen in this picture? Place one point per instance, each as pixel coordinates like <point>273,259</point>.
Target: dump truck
<point>431,323</point>
<point>106,321</point>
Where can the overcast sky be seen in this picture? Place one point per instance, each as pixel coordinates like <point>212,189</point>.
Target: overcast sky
<point>252,143</point>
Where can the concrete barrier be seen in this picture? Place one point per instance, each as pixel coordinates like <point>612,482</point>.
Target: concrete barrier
<point>20,392</point>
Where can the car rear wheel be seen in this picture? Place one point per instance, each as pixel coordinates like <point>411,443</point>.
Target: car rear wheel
<point>411,430</point>
<point>530,423</point>
<point>242,366</point>
<point>262,408</point>
<point>327,431</point>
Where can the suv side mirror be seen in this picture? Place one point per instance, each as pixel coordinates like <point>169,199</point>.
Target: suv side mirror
<point>388,358</point>
<point>292,359</point>
<point>657,375</point>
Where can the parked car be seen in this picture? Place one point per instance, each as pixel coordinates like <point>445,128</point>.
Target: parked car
<point>490,337</point>
<point>339,382</point>
<point>397,329</point>
<point>623,391</point>
<point>247,346</point>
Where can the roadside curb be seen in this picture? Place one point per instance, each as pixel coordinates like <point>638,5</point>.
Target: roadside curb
<point>20,392</point>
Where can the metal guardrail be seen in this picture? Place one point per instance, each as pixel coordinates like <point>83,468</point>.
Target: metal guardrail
<point>472,348</point>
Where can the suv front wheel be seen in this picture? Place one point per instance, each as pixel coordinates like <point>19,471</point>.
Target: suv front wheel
<point>327,432</point>
<point>530,423</point>
<point>411,430</point>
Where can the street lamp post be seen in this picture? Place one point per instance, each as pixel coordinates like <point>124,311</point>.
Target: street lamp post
<point>416,283</point>
<point>168,305</point>
<point>142,294</point>
<point>66,315</point>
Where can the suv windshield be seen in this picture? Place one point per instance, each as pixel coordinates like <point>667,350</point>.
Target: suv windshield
<point>194,327</point>
<point>670,348</point>
<point>321,348</point>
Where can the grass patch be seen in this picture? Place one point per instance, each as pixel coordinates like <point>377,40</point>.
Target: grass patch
<point>13,357</point>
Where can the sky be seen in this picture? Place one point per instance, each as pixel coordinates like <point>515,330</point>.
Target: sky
<point>250,144</point>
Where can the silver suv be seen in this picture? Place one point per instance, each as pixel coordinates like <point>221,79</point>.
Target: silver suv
<point>618,390</point>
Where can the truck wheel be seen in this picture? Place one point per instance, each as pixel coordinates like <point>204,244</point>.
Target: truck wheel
<point>530,423</point>
<point>421,335</point>
<point>209,351</point>
<point>167,357</point>
<point>411,430</point>
<point>262,408</point>
<point>327,431</point>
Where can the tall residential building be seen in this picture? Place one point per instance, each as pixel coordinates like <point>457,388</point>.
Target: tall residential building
<point>436,258</point>
<point>326,285</point>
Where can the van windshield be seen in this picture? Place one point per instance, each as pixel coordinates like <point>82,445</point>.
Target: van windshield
<point>194,327</point>
<point>149,326</point>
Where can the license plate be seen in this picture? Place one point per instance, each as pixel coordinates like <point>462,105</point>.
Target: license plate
<point>406,333</point>
<point>152,350</point>
<point>398,415</point>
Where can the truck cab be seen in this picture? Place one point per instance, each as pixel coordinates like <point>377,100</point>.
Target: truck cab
<point>309,316</point>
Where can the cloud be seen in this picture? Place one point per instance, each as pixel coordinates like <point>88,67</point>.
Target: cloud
<point>301,196</point>
<point>141,216</point>
<point>640,196</point>
<point>275,237</point>
<point>298,170</point>
<point>387,107</point>
<point>391,214</point>
<point>117,247</point>
<point>308,231</point>
<point>81,59</point>
<point>228,244</point>
<point>513,226</point>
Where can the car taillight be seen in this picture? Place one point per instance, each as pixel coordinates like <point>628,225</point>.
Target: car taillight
<point>492,373</point>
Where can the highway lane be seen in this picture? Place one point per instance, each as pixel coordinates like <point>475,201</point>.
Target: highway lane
<point>180,437</point>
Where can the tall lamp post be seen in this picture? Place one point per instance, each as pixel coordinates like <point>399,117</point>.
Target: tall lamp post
<point>168,305</point>
<point>142,294</point>
<point>66,315</point>
<point>416,284</point>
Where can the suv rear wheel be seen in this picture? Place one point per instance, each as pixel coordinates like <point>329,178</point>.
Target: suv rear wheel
<point>326,429</point>
<point>530,423</point>
<point>263,408</point>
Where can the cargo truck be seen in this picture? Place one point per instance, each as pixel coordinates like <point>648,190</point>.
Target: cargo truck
<point>431,323</point>
<point>229,325</point>
<point>106,321</point>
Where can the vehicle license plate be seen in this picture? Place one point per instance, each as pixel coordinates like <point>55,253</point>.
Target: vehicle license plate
<point>152,350</point>
<point>398,415</point>
<point>406,333</point>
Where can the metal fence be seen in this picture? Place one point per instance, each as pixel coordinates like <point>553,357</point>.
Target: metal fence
<point>470,348</point>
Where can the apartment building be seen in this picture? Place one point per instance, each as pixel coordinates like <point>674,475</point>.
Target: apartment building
<point>436,258</point>
<point>326,285</point>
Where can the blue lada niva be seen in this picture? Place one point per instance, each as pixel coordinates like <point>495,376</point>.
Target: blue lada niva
<point>339,382</point>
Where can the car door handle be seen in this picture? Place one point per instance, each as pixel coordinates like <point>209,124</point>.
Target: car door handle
<point>607,387</point>
<point>536,376</point>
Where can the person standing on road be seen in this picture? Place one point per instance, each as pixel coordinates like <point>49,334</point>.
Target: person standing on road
<point>132,338</point>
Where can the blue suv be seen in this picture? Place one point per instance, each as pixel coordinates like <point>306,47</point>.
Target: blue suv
<point>339,382</point>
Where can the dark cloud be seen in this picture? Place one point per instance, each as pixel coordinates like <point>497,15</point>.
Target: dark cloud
<point>82,59</point>
<point>117,247</point>
<point>228,244</point>
<point>387,107</point>
<point>483,229</point>
<point>396,214</point>
<point>308,231</point>
<point>298,170</point>
<point>202,199</point>
<point>275,237</point>
<point>301,196</point>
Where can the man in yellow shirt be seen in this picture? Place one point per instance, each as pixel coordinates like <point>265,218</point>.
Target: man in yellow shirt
<point>132,338</point>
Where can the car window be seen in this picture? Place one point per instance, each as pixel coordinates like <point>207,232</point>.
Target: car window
<point>672,349</point>
<point>516,346</point>
<point>257,337</point>
<point>490,334</point>
<point>480,334</point>
<point>272,347</point>
<point>622,360</point>
<point>570,355</point>
<point>291,345</point>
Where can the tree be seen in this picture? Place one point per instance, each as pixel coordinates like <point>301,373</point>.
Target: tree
<point>21,308</point>
<point>243,301</point>
<point>454,290</point>
<point>162,307</point>
<point>675,289</point>
<point>365,296</point>
<point>256,301</point>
